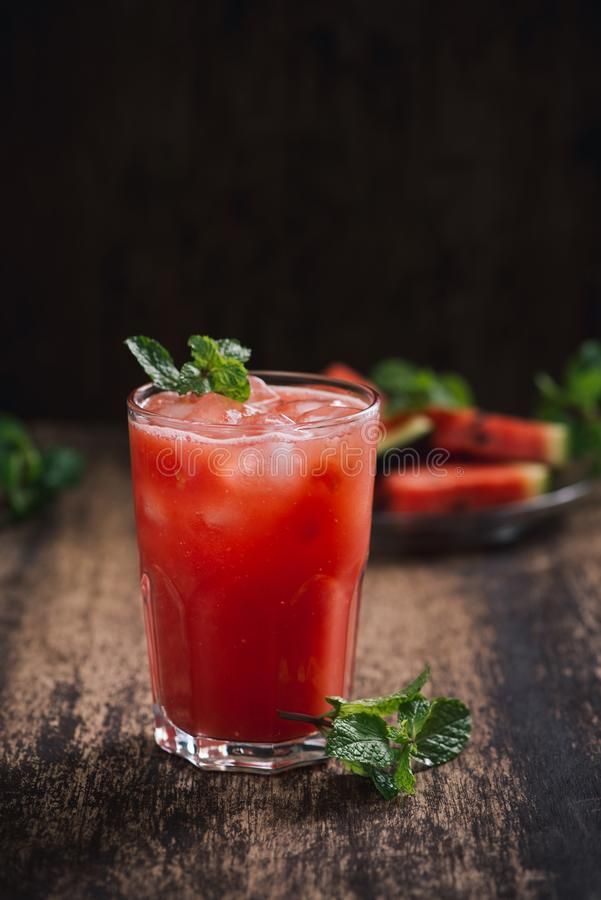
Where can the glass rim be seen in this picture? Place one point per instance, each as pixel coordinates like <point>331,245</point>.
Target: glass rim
<point>275,376</point>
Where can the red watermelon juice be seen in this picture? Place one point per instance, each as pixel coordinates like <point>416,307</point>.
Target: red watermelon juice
<point>253,525</point>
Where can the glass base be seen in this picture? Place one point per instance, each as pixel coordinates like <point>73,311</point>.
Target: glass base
<point>218,755</point>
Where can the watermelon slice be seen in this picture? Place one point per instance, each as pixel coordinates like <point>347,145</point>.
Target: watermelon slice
<point>459,488</point>
<point>496,437</point>
<point>404,430</point>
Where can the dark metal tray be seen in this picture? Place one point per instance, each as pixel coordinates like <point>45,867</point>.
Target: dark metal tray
<point>489,527</point>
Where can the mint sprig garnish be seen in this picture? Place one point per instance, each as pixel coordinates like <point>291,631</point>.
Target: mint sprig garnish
<point>387,738</point>
<point>575,400</point>
<point>31,477</point>
<point>215,365</point>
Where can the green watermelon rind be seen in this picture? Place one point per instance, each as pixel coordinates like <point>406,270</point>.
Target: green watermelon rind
<point>408,432</point>
<point>537,477</point>
<point>557,441</point>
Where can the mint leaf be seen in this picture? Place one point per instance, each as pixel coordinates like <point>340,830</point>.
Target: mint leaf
<point>355,768</point>
<point>17,492</point>
<point>575,401</point>
<point>233,348</point>
<point>385,783</point>
<point>215,366</point>
<point>230,378</point>
<point>380,706</point>
<point>61,467</point>
<point>359,734</point>
<point>360,738</point>
<point>409,387</point>
<point>156,361</point>
<point>205,352</point>
<point>373,706</point>
<point>456,389</point>
<point>14,436</point>
<point>411,716</point>
<point>414,687</point>
<point>191,380</point>
<point>392,781</point>
<point>444,733</point>
<point>404,778</point>
<point>414,713</point>
<point>29,479</point>
<point>224,369</point>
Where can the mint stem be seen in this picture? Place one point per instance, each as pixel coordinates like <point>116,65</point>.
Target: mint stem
<point>318,721</point>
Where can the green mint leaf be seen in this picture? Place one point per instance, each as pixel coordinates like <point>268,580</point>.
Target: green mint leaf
<point>404,778</point>
<point>336,703</point>
<point>429,732</point>
<point>372,706</point>
<point>20,468</point>
<point>385,783</point>
<point>355,768</point>
<point>360,738</point>
<point>414,687</point>
<point>575,401</point>
<point>585,437</point>
<point>215,366</point>
<point>15,437</point>
<point>205,352</point>
<point>223,363</point>
<point>582,377</point>
<point>399,780</point>
<point>444,733</point>
<point>61,467</point>
<point>412,715</point>
<point>191,380</point>
<point>380,706</point>
<point>234,349</point>
<point>156,361</point>
<point>457,389</point>
<point>231,379</point>
<point>408,387</point>
<point>28,478</point>
<point>14,479</point>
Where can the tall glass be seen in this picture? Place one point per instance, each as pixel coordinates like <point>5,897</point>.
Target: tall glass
<point>253,542</point>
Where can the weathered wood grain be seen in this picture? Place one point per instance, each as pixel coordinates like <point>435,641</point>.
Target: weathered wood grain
<point>90,808</point>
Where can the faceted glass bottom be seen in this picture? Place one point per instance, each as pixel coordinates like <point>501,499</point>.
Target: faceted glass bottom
<point>217,755</point>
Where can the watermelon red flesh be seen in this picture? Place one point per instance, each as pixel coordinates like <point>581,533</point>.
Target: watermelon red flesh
<point>495,437</point>
<point>459,488</point>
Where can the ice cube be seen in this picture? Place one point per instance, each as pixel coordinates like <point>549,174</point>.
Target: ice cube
<point>260,417</point>
<point>155,507</point>
<point>215,409</point>
<point>326,412</point>
<point>260,392</point>
<point>209,409</point>
<point>276,418</point>
<point>296,409</point>
<point>167,403</point>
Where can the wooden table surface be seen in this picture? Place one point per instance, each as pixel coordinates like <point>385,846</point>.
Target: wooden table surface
<point>91,808</point>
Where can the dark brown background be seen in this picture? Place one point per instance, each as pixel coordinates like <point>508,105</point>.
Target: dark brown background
<point>345,179</point>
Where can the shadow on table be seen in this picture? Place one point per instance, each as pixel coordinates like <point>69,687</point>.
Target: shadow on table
<point>87,815</point>
<point>179,790</point>
<point>389,547</point>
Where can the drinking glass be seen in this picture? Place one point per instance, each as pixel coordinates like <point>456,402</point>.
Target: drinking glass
<point>253,541</point>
